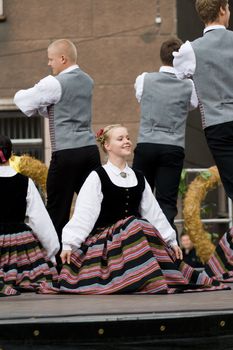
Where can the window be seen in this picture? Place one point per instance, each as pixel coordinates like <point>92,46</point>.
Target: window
<point>27,134</point>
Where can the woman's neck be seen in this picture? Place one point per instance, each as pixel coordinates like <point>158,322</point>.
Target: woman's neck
<point>118,162</point>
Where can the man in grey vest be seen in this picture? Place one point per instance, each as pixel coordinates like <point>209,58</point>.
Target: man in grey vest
<point>209,60</point>
<point>66,99</point>
<point>165,102</point>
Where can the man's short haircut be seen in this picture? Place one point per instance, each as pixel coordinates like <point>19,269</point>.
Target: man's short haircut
<point>168,46</point>
<point>66,47</point>
<point>208,10</point>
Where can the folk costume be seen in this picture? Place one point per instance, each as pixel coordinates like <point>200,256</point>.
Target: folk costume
<point>165,102</point>
<point>28,240</point>
<point>66,100</point>
<point>209,61</point>
<point>121,241</point>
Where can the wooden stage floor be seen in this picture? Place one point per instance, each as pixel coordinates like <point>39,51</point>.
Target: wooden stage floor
<point>63,321</point>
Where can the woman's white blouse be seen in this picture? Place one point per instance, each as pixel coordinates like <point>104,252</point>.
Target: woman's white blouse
<point>88,206</point>
<point>38,217</point>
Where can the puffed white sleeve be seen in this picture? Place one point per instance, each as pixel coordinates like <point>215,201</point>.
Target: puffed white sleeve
<point>150,210</point>
<point>184,61</point>
<point>86,212</point>
<point>138,86</point>
<point>194,98</point>
<point>40,222</point>
<point>36,99</point>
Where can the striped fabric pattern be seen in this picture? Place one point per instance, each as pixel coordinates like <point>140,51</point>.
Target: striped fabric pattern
<point>23,264</point>
<point>130,257</point>
<point>52,127</point>
<point>220,265</point>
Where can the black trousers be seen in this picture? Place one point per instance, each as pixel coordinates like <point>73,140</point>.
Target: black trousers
<point>162,166</point>
<point>67,172</point>
<point>220,141</point>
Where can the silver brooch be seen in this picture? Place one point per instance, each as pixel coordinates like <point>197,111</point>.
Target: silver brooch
<point>123,174</point>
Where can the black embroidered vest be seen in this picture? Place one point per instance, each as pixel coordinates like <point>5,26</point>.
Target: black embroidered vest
<point>13,198</point>
<point>118,202</point>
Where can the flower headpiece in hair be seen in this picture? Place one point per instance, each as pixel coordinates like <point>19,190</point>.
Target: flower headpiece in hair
<point>100,135</point>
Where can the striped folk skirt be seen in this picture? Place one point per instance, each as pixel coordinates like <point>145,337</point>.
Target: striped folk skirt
<point>220,265</point>
<point>24,265</point>
<point>130,257</point>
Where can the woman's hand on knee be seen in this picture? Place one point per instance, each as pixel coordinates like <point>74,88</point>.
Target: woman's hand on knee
<point>178,252</point>
<point>65,256</point>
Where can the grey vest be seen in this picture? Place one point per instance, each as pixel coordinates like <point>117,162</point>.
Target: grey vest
<point>70,118</point>
<point>164,108</point>
<point>213,77</point>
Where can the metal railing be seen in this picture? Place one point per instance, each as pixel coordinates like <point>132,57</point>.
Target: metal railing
<point>38,141</point>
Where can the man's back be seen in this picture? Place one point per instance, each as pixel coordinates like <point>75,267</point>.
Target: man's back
<point>213,77</point>
<point>164,108</point>
<point>73,113</point>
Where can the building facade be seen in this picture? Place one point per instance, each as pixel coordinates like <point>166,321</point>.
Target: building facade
<point>116,41</point>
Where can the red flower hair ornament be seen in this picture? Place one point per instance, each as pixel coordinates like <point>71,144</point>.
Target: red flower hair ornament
<point>100,135</point>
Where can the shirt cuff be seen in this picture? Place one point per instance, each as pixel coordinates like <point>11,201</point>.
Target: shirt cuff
<point>53,259</point>
<point>66,247</point>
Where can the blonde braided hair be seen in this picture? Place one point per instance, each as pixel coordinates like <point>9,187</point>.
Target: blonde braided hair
<point>102,135</point>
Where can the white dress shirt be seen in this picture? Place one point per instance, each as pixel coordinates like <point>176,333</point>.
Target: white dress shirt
<point>139,83</point>
<point>46,92</point>
<point>185,60</point>
<point>88,206</point>
<point>38,218</point>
